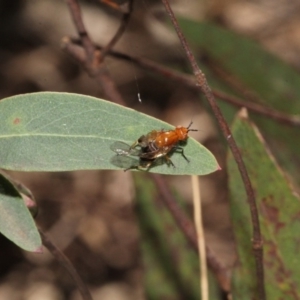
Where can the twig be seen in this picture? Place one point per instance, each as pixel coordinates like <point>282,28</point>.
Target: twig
<point>189,80</point>
<point>122,7</point>
<point>231,80</point>
<point>189,231</point>
<point>90,58</point>
<point>120,31</point>
<point>77,19</point>
<point>67,265</point>
<point>257,242</point>
<point>260,109</point>
<point>200,237</point>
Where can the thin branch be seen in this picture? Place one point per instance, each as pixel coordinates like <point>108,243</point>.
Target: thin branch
<point>122,7</point>
<point>260,109</point>
<point>200,236</point>
<point>189,231</point>
<point>64,261</point>
<point>189,80</point>
<point>257,242</point>
<point>120,31</point>
<point>78,22</point>
<point>89,59</point>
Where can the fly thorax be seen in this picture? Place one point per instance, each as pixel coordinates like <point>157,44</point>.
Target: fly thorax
<point>182,133</point>
<point>152,146</point>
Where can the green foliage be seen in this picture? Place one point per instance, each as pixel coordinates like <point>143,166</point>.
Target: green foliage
<point>16,222</point>
<point>171,266</point>
<point>63,132</point>
<point>279,210</point>
<point>276,84</point>
<point>261,71</point>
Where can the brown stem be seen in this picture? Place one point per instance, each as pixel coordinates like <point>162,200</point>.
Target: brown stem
<point>64,261</point>
<point>203,85</point>
<point>90,58</point>
<point>260,109</point>
<point>189,80</point>
<point>189,231</point>
<point>78,22</point>
<point>119,33</point>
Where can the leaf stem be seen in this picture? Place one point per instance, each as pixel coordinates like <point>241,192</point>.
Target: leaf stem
<point>257,242</point>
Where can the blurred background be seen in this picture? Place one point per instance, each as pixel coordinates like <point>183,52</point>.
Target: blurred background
<point>95,217</point>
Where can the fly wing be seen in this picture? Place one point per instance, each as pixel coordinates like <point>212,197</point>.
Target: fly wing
<point>125,162</point>
<point>122,148</point>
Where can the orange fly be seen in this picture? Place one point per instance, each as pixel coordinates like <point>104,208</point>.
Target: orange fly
<point>154,145</point>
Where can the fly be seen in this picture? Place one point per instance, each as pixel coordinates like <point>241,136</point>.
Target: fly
<point>151,147</point>
<point>158,144</point>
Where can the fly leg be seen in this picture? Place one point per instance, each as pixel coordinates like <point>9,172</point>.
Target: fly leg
<point>146,164</point>
<point>181,151</point>
<point>143,165</point>
<point>131,168</point>
<point>169,161</point>
<point>134,144</point>
<point>142,142</point>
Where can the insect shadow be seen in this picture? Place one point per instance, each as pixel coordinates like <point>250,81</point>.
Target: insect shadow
<point>129,158</point>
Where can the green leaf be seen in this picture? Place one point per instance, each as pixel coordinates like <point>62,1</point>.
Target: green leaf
<point>63,132</point>
<point>261,71</point>
<point>279,211</point>
<point>275,83</point>
<point>16,222</point>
